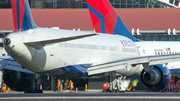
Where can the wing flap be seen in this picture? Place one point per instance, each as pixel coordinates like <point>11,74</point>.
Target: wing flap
<point>105,68</point>
<point>164,59</point>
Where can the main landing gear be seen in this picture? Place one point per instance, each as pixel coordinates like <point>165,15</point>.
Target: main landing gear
<point>118,84</point>
<point>33,88</point>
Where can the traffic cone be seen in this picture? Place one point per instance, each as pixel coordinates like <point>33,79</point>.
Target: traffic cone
<point>41,87</point>
<point>63,91</point>
<point>76,90</point>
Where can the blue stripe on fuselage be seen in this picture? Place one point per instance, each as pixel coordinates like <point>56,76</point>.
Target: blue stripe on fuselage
<point>75,70</point>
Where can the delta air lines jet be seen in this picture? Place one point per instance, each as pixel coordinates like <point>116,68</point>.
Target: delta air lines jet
<point>73,54</point>
<point>105,20</point>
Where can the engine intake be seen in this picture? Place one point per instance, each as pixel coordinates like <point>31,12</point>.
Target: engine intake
<point>13,78</point>
<point>16,80</point>
<point>157,79</point>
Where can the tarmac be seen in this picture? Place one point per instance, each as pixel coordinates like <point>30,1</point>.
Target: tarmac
<point>90,95</point>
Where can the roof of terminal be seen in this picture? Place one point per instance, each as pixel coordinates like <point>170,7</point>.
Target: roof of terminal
<point>144,19</point>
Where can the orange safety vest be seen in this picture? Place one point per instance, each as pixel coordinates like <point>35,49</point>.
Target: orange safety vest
<point>71,85</point>
<point>3,88</point>
<point>59,83</point>
<point>106,86</point>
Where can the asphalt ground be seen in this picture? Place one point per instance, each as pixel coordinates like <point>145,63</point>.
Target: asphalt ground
<point>90,96</point>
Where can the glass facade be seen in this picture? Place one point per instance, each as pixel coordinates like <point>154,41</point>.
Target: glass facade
<point>5,3</point>
<point>138,4</point>
<point>157,37</point>
<point>60,4</point>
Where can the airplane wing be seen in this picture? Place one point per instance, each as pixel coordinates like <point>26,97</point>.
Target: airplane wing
<point>7,62</point>
<point>127,63</point>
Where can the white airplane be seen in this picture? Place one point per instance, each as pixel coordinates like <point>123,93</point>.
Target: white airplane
<point>73,54</point>
<point>106,20</point>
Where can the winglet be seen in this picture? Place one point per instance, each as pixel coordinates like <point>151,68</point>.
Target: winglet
<point>106,20</point>
<point>22,16</point>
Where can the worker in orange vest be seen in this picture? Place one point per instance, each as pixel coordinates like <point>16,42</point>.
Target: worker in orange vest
<point>71,85</point>
<point>106,87</point>
<point>3,88</point>
<point>58,85</point>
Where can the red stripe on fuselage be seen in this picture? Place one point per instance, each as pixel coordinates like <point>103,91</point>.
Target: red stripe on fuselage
<point>21,12</point>
<point>14,11</point>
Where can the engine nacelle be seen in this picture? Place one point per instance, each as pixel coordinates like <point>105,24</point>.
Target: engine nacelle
<point>157,79</point>
<point>16,80</point>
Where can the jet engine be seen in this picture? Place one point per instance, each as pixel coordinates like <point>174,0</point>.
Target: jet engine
<point>157,79</point>
<point>16,80</point>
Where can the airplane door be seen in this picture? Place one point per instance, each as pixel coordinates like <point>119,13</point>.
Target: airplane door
<point>142,50</point>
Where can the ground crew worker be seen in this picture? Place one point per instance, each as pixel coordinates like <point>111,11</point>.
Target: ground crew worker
<point>66,84</point>
<point>135,82</point>
<point>71,85</point>
<point>106,87</point>
<point>3,88</point>
<point>58,85</point>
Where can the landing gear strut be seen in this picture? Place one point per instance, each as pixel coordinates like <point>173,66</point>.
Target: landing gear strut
<point>118,84</point>
<point>33,88</point>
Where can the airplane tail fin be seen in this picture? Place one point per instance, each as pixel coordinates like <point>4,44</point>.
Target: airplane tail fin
<point>22,16</point>
<point>106,20</point>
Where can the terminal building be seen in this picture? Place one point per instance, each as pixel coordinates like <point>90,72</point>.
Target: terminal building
<point>161,23</point>
<point>158,23</point>
<point>76,4</point>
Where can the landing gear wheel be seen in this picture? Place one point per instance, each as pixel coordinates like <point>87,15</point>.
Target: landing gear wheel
<point>114,91</point>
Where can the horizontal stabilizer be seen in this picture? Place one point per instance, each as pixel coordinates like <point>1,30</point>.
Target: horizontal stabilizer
<point>50,41</point>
